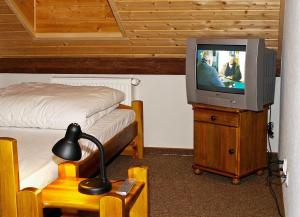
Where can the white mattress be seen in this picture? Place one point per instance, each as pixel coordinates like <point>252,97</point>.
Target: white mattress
<point>54,106</point>
<point>37,164</point>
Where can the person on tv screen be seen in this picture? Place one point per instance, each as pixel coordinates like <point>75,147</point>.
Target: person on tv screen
<point>206,74</point>
<point>231,70</point>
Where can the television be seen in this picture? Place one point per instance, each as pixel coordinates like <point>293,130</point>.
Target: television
<point>234,73</point>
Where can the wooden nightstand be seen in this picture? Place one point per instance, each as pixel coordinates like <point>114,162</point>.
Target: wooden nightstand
<point>63,193</point>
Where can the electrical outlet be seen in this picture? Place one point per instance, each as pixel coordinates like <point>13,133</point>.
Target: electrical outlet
<point>284,167</point>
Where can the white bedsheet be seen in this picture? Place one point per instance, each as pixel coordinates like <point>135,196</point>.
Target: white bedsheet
<point>37,164</point>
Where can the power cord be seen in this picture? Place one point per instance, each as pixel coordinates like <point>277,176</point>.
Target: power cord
<point>270,130</point>
<point>273,173</point>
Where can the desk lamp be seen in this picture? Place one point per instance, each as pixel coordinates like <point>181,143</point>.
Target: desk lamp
<point>68,148</point>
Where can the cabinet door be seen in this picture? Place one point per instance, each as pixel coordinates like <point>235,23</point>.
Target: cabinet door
<point>215,146</point>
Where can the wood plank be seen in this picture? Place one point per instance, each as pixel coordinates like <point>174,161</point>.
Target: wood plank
<point>95,65</point>
<point>141,206</point>
<point>117,17</point>
<point>155,28</point>
<point>54,17</point>
<point>139,117</point>
<point>100,65</point>
<point>70,13</point>
<point>8,18</point>
<point>212,33</point>
<point>191,15</point>
<point>91,51</point>
<point>203,25</point>
<point>77,27</point>
<point>103,43</point>
<point>11,27</point>
<point>63,193</point>
<point>66,3</point>
<point>26,8</point>
<point>24,13</point>
<point>42,43</point>
<point>280,34</point>
<point>15,35</point>
<point>2,2</point>
<point>30,203</point>
<point>9,179</point>
<point>4,9</point>
<point>195,5</point>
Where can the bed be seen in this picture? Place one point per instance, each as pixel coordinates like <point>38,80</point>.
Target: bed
<point>123,133</point>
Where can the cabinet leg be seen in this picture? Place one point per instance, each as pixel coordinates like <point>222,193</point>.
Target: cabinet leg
<point>260,172</point>
<point>197,171</point>
<point>236,181</point>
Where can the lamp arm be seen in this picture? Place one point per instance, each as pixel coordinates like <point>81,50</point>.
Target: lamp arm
<point>101,153</point>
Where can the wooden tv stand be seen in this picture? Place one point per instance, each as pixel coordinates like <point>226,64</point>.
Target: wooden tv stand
<point>228,141</point>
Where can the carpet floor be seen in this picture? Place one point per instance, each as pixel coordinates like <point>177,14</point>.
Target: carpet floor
<point>175,191</point>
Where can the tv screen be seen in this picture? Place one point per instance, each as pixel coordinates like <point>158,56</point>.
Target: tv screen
<point>221,68</point>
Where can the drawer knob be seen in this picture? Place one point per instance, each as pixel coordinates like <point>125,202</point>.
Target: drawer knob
<point>231,151</point>
<point>213,118</point>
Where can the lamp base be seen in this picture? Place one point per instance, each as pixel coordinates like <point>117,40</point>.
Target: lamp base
<point>94,186</point>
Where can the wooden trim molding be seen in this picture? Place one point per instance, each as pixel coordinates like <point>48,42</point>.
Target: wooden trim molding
<point>93,65</point>
<point>281,22</point>
<point>97,65</point>
<point>280,37</point>
<point>117,17</point>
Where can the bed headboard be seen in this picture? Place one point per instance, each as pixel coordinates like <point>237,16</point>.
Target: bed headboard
<point>123,84</point>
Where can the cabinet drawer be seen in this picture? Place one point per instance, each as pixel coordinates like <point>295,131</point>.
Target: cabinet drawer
<point>217,117</point>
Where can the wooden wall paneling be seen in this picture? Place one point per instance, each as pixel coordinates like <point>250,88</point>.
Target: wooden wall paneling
<point>117,17</point>
<point>100,65</point>
<point>280,35</point>
<point>204,25</point>
<point>196,5</point>
<point>8,18</point>
<point>9,36</point>
<point>43,44</point>
<point>75,17</point>
<point>94,51</point>
<point>96,43</point>
<point>73,26</point>
<point>78,36</point>
<point>11,27</point>
<point>27,7</point>
<point>24,10</point>
<point>4,9</point>
<point>153,28</point>
<point>192,15</point>
<point>195,33</point>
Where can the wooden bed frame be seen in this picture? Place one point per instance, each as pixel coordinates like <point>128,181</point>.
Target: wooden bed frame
<point>14,201</point>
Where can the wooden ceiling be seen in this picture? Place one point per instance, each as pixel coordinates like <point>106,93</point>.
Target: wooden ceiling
<point>50,19</point>
<point>151,28</point>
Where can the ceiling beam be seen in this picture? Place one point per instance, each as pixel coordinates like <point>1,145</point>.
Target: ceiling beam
<point>93,65</point>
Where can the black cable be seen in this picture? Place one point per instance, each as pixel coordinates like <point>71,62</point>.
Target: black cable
<point>274,197</point>
<point>270,163</point>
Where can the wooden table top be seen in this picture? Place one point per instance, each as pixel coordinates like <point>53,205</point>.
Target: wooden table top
<point>63,193</point>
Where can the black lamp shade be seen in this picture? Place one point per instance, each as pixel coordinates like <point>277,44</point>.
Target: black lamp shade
<point>68,147</point>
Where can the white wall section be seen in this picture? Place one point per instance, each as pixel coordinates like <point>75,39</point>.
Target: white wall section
<point>168,119</point>
<point>290,105</point>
